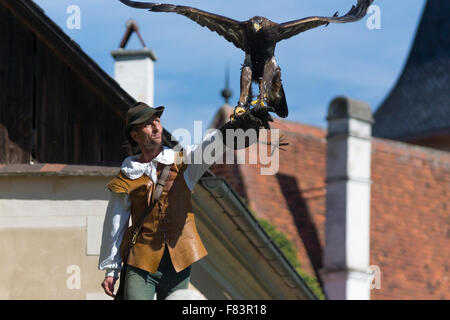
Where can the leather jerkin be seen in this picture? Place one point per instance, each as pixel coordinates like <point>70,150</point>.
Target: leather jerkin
<point>170,223</point>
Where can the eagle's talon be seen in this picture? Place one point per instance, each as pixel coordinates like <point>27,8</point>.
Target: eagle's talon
<point>239,111</point>
<point>259,103</point>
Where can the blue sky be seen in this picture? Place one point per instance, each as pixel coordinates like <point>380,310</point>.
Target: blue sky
<point>341,59</point>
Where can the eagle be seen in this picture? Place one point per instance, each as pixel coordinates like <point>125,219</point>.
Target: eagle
<point>257,37</point>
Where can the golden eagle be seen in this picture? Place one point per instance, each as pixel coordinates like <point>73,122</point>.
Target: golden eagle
<point>257,37</point>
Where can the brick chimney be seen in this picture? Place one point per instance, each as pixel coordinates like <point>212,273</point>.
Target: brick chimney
<point>134,69</point>
<point>346,256</point>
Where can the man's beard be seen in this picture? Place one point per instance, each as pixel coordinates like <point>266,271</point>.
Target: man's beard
<point>150,144</point>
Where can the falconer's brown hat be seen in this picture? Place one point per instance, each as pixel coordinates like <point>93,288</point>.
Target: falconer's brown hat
<point>139,113</point>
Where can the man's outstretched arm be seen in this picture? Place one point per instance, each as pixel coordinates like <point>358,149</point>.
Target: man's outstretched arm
<point>218,141</point>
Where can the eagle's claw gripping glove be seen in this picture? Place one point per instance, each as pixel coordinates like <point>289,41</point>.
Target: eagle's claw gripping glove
<point>246,118</point>
<point>239,111</point>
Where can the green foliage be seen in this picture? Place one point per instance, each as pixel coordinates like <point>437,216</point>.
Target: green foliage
<point>280,239</point>
<point>287,247</point>
<point>312,283</point>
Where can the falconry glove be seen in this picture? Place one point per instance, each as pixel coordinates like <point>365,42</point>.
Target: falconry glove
<point>246,119</point>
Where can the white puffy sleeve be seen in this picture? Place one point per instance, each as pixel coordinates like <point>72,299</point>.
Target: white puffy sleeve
<point>114,226</point>
<point>200,157</point>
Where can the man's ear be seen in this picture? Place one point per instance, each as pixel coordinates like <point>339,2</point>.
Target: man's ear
<point>133,136</point>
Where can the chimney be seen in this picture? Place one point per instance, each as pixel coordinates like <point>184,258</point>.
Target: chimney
<point>346,256</point>
<point>134,69</point>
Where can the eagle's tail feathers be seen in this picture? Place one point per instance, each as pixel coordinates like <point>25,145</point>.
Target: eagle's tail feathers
<point>277,98</point>
<point>281,108</point>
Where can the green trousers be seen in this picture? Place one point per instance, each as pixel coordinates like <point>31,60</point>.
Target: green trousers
<point>142,285</point>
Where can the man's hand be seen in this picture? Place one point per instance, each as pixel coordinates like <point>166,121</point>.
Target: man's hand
<point>108,286</point>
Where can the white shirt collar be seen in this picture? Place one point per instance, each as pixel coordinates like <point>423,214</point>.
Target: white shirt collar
<point>134,169</point>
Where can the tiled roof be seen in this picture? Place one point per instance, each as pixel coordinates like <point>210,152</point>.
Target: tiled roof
<point>409,208</point>
<point>294,198</point>
<point>419,104</point>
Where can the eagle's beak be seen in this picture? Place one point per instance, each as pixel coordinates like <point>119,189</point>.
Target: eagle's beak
<point>256,26</point>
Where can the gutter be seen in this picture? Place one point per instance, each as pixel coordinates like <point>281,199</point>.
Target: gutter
<point>238,212</point>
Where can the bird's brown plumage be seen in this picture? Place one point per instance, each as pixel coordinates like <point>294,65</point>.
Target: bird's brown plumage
<point>258,45</point>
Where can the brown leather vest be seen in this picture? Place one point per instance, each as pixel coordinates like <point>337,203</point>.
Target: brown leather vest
<point>170,223</point>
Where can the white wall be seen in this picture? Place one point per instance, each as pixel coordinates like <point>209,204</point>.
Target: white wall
<point>50,232</point>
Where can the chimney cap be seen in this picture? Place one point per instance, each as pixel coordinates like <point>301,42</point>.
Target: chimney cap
<point>345,108</point>
<point>123,54</point>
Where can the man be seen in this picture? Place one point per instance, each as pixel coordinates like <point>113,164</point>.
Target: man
<point>168,243</point>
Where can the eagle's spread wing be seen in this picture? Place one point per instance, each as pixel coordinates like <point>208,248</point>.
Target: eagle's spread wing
<point>230,29</point>
<point>292,28</point>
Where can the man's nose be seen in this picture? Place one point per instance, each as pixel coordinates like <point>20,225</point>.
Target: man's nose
<point>154,125</point>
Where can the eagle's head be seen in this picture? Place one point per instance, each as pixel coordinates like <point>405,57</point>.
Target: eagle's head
<point>257,23</point>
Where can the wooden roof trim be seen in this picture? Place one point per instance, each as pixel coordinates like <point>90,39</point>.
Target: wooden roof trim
<point>34,18</point>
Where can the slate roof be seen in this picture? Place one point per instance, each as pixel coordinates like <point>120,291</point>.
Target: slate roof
<point>419,104</point>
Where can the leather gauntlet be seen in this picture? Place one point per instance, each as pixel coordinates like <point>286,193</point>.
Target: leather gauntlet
<point>250,121</point>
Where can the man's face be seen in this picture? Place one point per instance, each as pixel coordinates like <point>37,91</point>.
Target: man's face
<point>149,133</point>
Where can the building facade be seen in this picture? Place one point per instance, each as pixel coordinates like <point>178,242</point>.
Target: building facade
<point>62,121</point>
